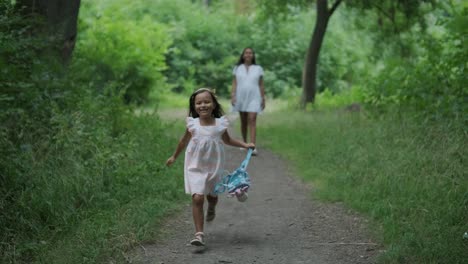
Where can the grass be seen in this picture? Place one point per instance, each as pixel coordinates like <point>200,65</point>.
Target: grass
<point>100,187</point>
<point>410,178</point>
<point>91,190</point>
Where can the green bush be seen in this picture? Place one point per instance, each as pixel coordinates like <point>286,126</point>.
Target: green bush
<point>82,178</point>
<point>329,100</point>
<point>76,159</point>
<point>206,43</point>
<point>128,50</point>
<point>431,85</point>
<point>206,47</point>
<point>281,47</point>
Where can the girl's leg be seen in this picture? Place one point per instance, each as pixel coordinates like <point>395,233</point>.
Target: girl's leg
<point>252,119</point>
<point>211,212</point>
<point>243,118</point>
<point>197,211</point>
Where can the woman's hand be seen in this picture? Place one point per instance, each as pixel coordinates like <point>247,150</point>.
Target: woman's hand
<point>263,103</point>
<point>233,100</point>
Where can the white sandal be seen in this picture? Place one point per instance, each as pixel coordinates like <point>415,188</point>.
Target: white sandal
<point>198,240</point>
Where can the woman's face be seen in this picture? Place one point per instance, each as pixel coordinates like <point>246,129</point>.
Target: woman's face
<point>248,55</point>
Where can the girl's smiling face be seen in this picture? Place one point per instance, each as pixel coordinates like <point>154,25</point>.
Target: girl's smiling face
<point>204,105</point>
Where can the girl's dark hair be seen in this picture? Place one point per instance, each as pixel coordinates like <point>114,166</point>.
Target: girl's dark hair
<point>241,59</point>
<point>217,111</point>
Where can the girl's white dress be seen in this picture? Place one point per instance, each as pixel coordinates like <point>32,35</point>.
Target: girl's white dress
<point>248,96</point>
<point>204,156</point>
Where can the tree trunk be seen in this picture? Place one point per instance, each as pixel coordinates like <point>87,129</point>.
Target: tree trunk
<point>309,74</point>
<point>207,3</point>
<point>61,17</point>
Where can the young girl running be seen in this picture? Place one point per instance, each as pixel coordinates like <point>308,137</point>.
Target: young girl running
<point>204,156</point>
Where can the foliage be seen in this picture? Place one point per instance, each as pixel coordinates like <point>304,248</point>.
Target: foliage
<point>280,8</point>
<point>193,59</point>
<point>81,173</point>
<point>345,59</point>
<point>346,56</point>
<point>196,60</point>
<point>407,176</point>
<point>18,51</point>
<point>433,84</point>
<point>123,49</point>
<point>81,177</point>
<point>201,61</point>
<point>353,53</point>
<point>393,16</point>
<point>281,48</point>
<point>329,100</point>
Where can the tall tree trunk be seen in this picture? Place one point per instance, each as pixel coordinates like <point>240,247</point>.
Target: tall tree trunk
<point>309,74</point>
<point>61,17</point>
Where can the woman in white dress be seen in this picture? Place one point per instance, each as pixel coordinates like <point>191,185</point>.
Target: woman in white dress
<point>248,93</point>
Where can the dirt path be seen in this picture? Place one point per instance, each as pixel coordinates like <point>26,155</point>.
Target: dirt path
<point>279,223</point>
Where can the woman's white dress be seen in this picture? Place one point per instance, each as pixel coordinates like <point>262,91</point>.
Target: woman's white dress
<point>248,96</point>
<point>204,156</point>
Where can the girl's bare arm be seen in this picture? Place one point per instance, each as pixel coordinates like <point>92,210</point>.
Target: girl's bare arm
<point>184,140</point>
<point>228,140</point>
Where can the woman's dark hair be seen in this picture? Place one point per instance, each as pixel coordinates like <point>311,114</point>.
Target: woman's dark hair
<point>217,111</point>
<point>241,59</point>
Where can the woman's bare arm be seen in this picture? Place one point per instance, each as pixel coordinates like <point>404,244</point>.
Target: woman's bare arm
<point>262,91</point>
<point>233,91</point>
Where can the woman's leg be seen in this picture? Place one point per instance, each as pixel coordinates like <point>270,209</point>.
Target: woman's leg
<point>197,211</point>
<point>252,120</point>
<point>244,123</point>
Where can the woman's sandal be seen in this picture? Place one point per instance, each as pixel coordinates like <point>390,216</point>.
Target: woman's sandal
<point>210,214</point>
<point>198,240</point>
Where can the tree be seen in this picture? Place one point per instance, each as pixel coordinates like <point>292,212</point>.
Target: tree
<point>390,9</point>
<point>207,3</point>
<point>324,12</point>
<point>61,19</point>
<point>309,73</point>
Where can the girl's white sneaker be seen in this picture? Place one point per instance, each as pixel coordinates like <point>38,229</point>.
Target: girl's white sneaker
<point>198,240</point>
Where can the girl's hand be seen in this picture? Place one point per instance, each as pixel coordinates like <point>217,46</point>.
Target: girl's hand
<point>250,145</point>
<point>170,161</point>
<point>233,100</point>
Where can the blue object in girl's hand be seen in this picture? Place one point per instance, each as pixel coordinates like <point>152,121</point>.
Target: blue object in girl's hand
<point>236,183</point>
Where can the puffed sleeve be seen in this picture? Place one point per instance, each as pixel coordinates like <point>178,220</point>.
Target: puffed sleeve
<point>260,70</point>
<point>190,121</point>
<point>223,123</point>
<point>234,70</point>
